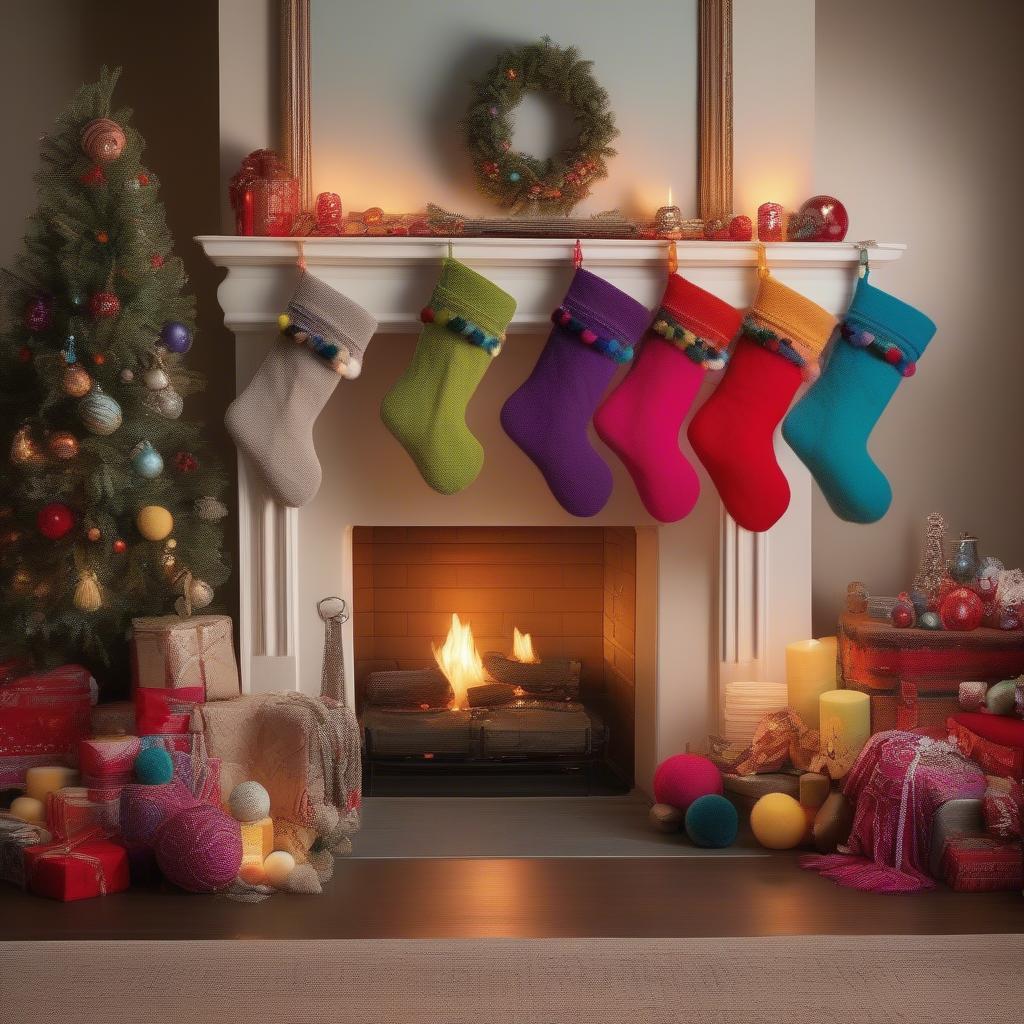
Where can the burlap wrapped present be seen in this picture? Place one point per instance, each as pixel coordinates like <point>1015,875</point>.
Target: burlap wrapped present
<point>169,652</point>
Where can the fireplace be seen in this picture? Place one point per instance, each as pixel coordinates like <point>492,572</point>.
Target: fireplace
<point>533,627</point>
<point>713,603</point>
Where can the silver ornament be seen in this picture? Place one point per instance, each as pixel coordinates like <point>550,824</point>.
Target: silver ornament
<point>209,509</point>
<point>156,378</point>
<point>127,375</point>
<point>168,403</point>
<point>200,593</point>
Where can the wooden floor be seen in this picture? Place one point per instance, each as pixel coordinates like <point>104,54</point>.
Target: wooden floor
<point>540,898</point>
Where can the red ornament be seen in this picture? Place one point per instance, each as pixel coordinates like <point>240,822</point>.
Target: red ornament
<point>99,359</point>
<point>741,229</point>
<point>185,462</point>
<point>828,216</point>
<point>102,237</point>
<point>511,74</point>
<point>142,178</point>
<point>93,176</point>
<point>104,305</point>
<point>119,546</point>
<point>24,354</point>
<point>961,609</point>
<point>892,356</point>
<point>55,520</point>
<point>93,533</point>
<point>156,261</point>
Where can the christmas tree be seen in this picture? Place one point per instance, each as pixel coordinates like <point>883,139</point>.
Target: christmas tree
<point>108,504</point>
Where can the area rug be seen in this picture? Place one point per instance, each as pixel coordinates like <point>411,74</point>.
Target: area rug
<point>958,979</point>
<point>508,826</point>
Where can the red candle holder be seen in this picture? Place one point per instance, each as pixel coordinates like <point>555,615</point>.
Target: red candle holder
<point>770,222</point>
<point>328,213</point>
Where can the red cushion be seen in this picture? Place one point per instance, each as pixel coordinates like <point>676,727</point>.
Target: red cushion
<point>998,728</point>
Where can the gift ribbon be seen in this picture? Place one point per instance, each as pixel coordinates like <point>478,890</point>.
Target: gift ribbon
<point>70,849</point>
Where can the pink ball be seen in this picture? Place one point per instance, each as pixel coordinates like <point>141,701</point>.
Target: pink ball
<point>682,778</point>
<point>200,849</point>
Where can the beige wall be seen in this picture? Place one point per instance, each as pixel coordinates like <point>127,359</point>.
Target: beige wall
<point>918,132</point>
<point>169,53</point>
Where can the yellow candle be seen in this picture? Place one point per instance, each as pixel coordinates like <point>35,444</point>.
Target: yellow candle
<point>29,809</point>
<point>810,672</point>
<point>45,779</point>
<point>257,840</point>
<point>845,728</point>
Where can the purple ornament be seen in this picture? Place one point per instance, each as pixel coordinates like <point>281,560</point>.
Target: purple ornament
<point>39,313</point>
<point>176,337</point>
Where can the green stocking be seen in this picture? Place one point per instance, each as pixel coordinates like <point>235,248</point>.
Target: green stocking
<point>463,326</point>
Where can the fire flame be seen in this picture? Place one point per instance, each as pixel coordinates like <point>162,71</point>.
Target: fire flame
<point>458,659</point>
<point>522,648</point>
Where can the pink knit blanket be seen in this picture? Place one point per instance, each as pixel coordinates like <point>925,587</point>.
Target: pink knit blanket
<point>899,781</point>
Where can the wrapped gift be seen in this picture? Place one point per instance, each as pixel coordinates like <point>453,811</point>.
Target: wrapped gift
<point>15,836</point>
<point>200,774</point>
<point>114,719</point>
<point>169,652</point>
<point>993,758</point>
<point>978,862</point>
<point>77,869</point>
<point>43,717</point>
<point>78,809</point>
<point>907,709</point>
<point>166,710</point>
<point>108,760</point>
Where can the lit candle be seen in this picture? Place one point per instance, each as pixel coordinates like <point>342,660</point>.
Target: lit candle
<point>45,779</point>
<point>810,671</point>
<point>770,221</point>
<point>257,840</point>
<point>845,727</point>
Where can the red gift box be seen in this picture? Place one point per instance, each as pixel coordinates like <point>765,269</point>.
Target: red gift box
<point>77,869</point>
<point>166,710</point>
<point>42,719</point>
<point>977,862</point>
<point>77,809</point>
<point>108,760</point>
<point>993,758</point>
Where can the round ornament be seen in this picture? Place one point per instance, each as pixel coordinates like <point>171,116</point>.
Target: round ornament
<point>200,849</point>
<point>93,534</point>
<point>168,403</point>
<point>175,337</point>
<point>154,522</point>
<point>39,313</point>
<point>127,375</point>
<point>55,520</point>
<point>100,413</point>
<point>249,801</point>
<point>778,821</point>
<point>93,176</point>
<point>200,593</point>
<point>119,547</point>
<point>824,219</point>
<point>76,381</point>
<point>277,867</point>
<point>961,609</point>
<point>929,620</point>
<point>104,305</point>
<point>87,594</point>
<point>682,778</point>
<point>63,445</point>
<point>154,766</point>
<point>185,462</point>
<point>712,822</point>
<point>146,461</point>
<point>103,140</point>
<point>155,378</point>
<point>1008,618</point>
<point>903,615</point>
<point>515,179</point>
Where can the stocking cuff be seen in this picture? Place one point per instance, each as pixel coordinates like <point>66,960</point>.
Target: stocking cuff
<point>788,323</point>
<point>336,329</point>
<point>602,315</point>
<point>887,327</point>
<point>697,322</point>
<point>471,298</point>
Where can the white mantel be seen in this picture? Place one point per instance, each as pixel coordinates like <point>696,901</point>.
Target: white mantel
<point>714,601</point>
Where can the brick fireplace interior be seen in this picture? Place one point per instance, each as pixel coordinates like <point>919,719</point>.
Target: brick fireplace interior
<point>573,589</point>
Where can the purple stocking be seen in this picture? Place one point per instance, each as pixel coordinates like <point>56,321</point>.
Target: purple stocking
<point>595,330</point>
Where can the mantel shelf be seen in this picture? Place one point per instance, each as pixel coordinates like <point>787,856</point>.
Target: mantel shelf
<point>238,251</point>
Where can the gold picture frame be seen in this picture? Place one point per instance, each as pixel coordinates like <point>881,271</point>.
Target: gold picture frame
<point>714,114</point>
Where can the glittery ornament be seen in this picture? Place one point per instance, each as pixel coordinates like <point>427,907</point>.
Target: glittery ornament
<point>21,582</point>
<point>176,337</point>
<point>146,461</point>
<point>209,509</point>
<point>103,140</point>
<point>374,215</point>
<point>55,520</point>
<point>185,462</point>
<point>511,74</point>
<point>24,450</point>
<point>933,559</point>
<point>76,381</point>
<point>903,615</point>
<point>87,593</point>
<point>93,534</point>
<point>102,237</point>
<point>825,219</point>
<point>99,359</point>
<point>987,579</point>
<point>104,305</point>
<point>39,314</point>
<point>856,598</point>
<point>961,609</point>
<point>100,413</point>
<point>168,403</point>
<point>63,445</point>
<point>328,213</point>
<point>156,261</point>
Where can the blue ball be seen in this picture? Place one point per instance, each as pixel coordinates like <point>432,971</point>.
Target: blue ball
<point>176,337</point>
<point>711,821</point>
<point>154,766</point>
<point>514,176</point>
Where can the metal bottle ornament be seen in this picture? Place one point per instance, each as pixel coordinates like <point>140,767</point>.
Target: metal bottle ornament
<point>147,461</point>
<point>963,565</point>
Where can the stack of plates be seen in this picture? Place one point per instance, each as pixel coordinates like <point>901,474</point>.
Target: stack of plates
<point>745,704</point>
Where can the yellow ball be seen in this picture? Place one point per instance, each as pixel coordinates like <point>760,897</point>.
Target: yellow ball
<point>154,522</point>
<point>778,821</point>
<point>284,321</point>
<point>277,867</point>
<point>28,808</point>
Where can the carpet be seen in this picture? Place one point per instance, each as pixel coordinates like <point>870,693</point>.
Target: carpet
<point>971,979</point>
<point>586,826</point>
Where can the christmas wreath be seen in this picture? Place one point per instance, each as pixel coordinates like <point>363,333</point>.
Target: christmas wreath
<point>518,180</point>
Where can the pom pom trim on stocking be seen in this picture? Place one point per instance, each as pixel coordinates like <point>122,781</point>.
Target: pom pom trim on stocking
<point>888,351</point>
<point>768,339</point>
<point>337,357</point>
<point>700,350</point>
<point>609,347</point>
<point>472,332</point>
